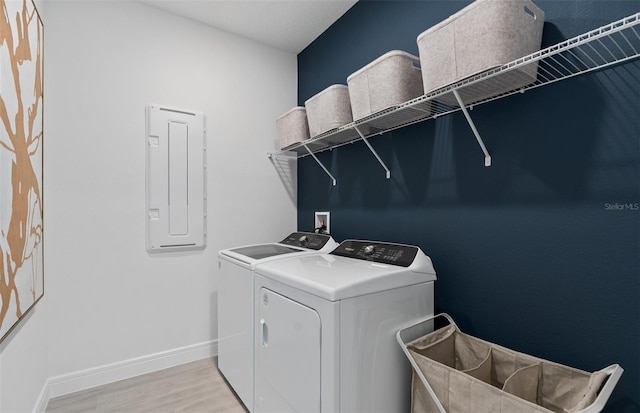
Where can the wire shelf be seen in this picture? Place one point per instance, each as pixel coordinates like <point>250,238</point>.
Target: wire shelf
<point>598,49</point>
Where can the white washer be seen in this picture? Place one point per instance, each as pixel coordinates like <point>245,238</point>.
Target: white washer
<point>326,324</point>
<point>235,302</point>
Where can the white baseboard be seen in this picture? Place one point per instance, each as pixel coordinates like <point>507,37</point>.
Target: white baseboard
<point>86,379</point>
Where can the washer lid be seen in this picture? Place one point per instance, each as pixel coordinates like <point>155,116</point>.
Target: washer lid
<point>301,243</point>
<point>261,251</point>
<point>335,277</point>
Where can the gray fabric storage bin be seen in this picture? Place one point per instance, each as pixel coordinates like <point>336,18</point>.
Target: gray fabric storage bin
<point>292,127</point>
<point>328,110</point>
<point>484,35</point>
<point>469,375</point>
<point>388,81</point>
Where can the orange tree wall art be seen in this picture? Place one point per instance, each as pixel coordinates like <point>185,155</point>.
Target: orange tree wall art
<point>21,137</point>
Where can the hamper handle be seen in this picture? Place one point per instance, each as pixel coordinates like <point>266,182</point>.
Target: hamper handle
<point>531,10</point>
<point>414,61</point>
<point>414,365</point>
<point>614,372</point>
<point>419,323</point>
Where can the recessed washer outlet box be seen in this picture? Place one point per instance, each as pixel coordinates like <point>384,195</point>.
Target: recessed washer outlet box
<point>323,218</point>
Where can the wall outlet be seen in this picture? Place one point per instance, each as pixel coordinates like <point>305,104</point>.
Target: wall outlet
<point>323,219</point>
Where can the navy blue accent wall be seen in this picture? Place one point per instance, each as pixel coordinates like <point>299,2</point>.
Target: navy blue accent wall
<point>539,252</point>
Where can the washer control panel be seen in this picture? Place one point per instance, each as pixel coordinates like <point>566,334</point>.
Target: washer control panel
<point>382,252</point>
<point>307,240</point>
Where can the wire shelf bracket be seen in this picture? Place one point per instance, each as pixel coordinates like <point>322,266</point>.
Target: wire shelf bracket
<point>487,157</point>
<point>333,180</point>
<point>373,151</point>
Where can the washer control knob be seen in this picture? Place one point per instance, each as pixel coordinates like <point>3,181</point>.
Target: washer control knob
<point>369,249</point>
<point>303,240</point>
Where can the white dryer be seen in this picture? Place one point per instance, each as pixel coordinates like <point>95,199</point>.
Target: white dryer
<point>236,300</point>
<point>325,328</point>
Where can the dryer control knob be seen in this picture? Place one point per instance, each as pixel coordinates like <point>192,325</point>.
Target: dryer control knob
<point>369,249</point>
<point>303,239</point>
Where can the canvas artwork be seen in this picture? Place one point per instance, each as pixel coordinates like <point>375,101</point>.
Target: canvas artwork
<point>21,137</point>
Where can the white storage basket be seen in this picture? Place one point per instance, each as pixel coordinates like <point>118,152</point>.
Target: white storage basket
<point>388,81</point>
<point>328,110</point>
<point>457,373</point>
<point>484,35</point>
<point>292,127</point>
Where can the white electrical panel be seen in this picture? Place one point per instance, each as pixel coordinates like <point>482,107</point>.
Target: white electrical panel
<point>176,179</point>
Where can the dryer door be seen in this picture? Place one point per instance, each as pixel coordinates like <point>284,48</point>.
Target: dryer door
<point>287,355</point>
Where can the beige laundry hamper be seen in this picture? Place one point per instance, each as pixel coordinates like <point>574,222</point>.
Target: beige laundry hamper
<point>456,373</point>
<point>482,36</point>
<point>328,109</point>
<point>292,127</point>
<point>388,81</point>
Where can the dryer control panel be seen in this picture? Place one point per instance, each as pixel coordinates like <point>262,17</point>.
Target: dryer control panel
<point>307,240</point>
<point>382,252</point>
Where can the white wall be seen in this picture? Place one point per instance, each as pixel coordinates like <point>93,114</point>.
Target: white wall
<point>23,362</point>
<point>106,299</point>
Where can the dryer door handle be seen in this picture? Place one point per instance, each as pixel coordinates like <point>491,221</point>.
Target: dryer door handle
<point>264,331</point>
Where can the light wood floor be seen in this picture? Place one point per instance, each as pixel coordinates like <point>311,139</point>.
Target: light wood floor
<point>194,387</point>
